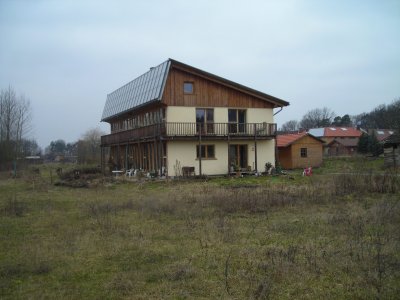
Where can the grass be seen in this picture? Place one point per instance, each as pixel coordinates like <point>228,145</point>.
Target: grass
<point>267,237</point>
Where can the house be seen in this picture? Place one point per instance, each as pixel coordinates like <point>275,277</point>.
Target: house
<point>391,151</point>
<point>339,141</point>
<point>381,134</point>
<point>299,150</point>
<point>176,116</point>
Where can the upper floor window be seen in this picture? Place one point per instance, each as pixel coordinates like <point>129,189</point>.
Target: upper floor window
<point>188,87</point>
<point>205,120</point>
<point>237,120</point>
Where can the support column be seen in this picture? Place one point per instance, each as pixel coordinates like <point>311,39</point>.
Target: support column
<point>255,148</point>
<point>200,172</point>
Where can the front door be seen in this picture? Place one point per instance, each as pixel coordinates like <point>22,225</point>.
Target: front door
<point>238,156</point>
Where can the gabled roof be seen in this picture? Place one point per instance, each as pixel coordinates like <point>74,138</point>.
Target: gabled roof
<point>344,142</point>
<point>394,139</point>
<point>381,134</point>
<point>335,132</point>
<point>285,140</point>
<point>149,87</point>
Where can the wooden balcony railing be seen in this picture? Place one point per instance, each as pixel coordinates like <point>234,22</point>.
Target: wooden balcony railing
<point>185,129</point>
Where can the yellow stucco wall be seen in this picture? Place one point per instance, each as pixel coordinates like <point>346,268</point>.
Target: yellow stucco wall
<point>183,154</point>
<point>188,114</point>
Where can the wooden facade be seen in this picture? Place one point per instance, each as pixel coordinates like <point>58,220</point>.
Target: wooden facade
<point>207,93</point>
<point>392,151</point>
<point>141,136</point>
<point>306,151</point>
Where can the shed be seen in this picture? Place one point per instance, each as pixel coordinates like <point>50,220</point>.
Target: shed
<point>299,150</point>
<point>392,151</point>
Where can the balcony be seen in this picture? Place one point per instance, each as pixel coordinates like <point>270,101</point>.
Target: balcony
<point>192,131</point>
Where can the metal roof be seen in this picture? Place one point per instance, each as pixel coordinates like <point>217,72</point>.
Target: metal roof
<point>318,132</point>
<point>145,88</point>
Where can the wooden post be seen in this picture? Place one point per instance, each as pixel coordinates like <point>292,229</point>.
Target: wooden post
<point>255,147</point>
<point>229,155</point>
<point>126,156</point>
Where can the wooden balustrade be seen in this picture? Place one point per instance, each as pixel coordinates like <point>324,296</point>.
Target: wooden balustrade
<point>191,130</point>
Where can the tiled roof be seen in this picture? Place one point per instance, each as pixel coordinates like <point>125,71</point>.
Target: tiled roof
<point>341,132</point>
<point>335,132</point>
<point>284,140</point>
<point>381,134</point>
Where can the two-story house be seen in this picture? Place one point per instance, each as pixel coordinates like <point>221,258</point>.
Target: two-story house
<point>176,116</point>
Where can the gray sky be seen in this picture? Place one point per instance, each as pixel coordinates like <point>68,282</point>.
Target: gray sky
<point>66,56</point>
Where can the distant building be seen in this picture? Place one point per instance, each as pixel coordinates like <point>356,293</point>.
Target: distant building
<point>381,134</point>
<point>392,151</point>
<point>339,141</point>
<point>299,150</point>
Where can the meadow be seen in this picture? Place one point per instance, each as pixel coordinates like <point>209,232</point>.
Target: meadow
<point>333,235</point>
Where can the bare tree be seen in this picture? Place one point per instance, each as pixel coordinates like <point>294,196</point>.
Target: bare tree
<point>89,146</point>
<point>318,117</point>
<point>15,117</point>
<point>291,125</point>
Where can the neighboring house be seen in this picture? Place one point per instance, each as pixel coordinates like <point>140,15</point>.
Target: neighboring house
<point>338,140</point>
<point>381,134</point>
<point>299,150</point>
<point>392,151</point>
<point>176,116</point>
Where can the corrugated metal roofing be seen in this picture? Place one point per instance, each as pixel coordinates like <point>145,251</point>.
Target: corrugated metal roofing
<point>145,88</point>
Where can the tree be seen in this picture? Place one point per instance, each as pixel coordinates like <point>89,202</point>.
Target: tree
<point>89,146</point>
<point>15,123</point>
<point>318,117</point>
<point>291,125</point>
<point>362,145</point>
<point>344,121</point>
<point>383,116</point>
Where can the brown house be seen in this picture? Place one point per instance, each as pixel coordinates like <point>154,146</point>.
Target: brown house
<point>299,150</point>
<point>338,140</point>
<point>176,117</point>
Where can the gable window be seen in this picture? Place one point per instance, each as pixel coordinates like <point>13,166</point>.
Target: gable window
<point>207,151</point>
<point>237,120</point>
<point>205,120</point>
<point>188,87</point>
<point>303,152</point>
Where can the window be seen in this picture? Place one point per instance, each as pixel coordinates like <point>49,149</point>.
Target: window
<point>188,87</point>
<point>303,152</point>
<point>205,120</point>
<point>237,120</point>
<point>207,151</point>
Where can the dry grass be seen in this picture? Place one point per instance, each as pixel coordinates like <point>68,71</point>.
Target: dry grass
<point>324,236</point>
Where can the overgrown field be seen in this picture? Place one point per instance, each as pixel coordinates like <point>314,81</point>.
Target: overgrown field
<point>289,237</point>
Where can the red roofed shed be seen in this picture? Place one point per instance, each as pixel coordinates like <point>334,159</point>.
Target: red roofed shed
<point>299,150</point>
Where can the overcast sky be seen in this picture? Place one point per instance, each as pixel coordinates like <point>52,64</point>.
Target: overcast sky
<point>66,56</point>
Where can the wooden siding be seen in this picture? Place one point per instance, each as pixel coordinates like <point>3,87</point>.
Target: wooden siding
<point>206,93</point>
<point>290,158</point>
<point>392,156</point>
